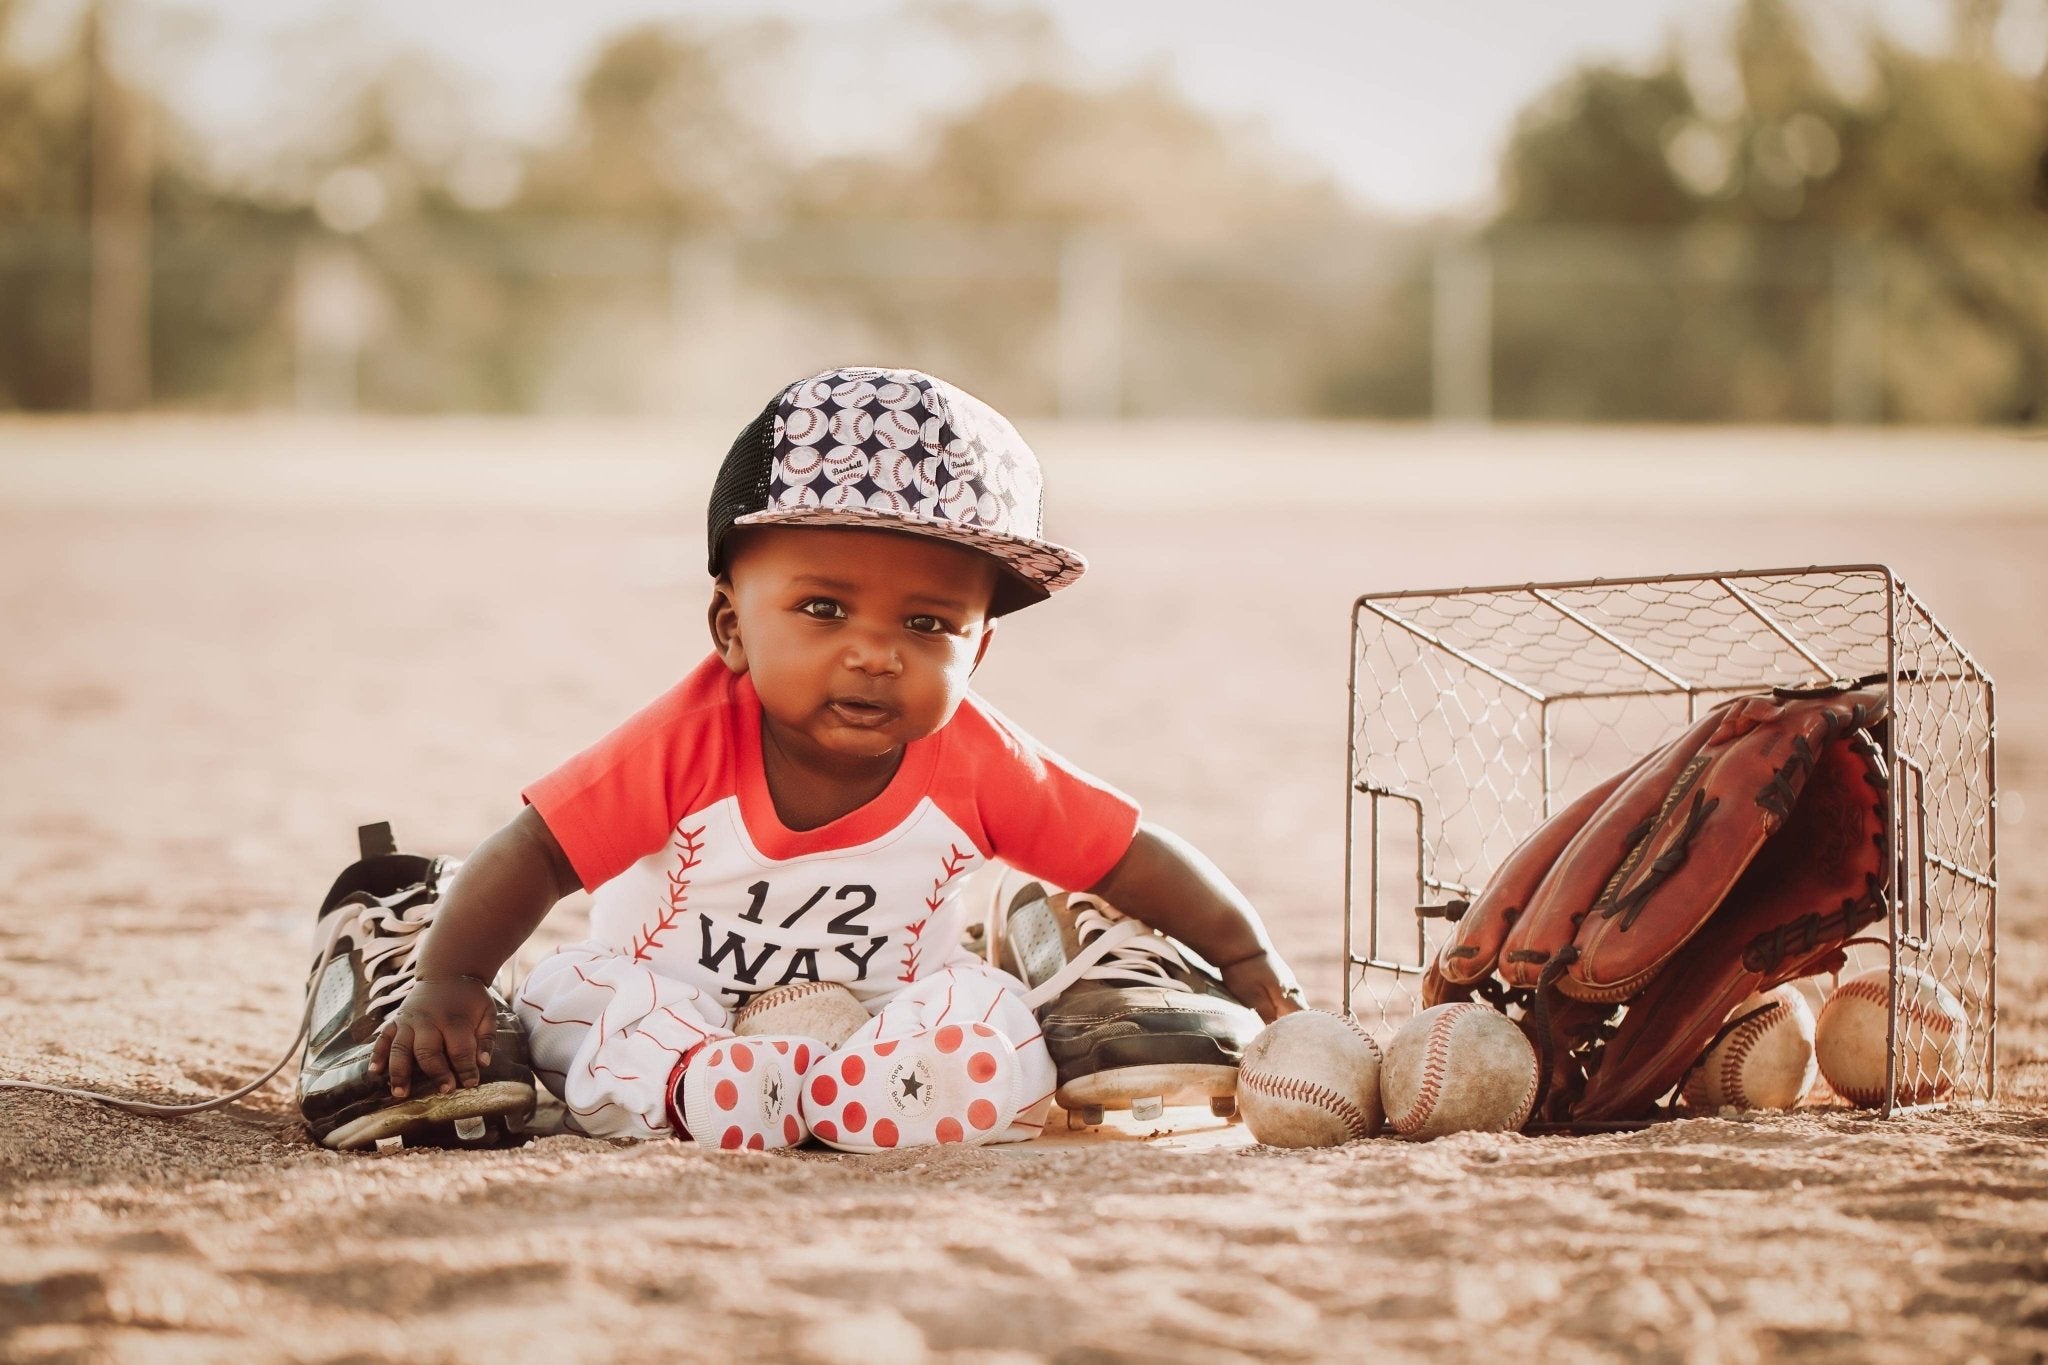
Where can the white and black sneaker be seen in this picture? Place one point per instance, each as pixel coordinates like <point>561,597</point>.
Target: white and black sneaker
<point>1134,1020</point>
<point>369,931</point>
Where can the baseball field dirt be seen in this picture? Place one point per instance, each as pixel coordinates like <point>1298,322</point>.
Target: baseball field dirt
<point>211,679</point>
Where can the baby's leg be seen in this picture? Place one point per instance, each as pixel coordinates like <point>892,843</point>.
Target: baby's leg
<point>964,996</point>
<point>636,1054</point>
<point>606,1033</point>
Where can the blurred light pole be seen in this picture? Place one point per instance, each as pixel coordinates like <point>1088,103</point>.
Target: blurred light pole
<point>118,322</point>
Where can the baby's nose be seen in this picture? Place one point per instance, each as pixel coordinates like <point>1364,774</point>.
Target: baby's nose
<point>867,652</point>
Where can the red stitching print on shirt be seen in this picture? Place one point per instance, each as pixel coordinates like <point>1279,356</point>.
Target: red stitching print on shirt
<point>954,863</point>
<point>687,858</point>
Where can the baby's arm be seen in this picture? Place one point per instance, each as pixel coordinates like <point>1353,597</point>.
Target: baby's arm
<point>502,892</point>
<point>1166,882</point>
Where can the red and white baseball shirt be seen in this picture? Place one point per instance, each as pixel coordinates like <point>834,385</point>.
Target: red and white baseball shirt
<point>669,822</point>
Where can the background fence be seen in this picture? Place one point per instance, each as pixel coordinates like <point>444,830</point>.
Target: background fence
<point>1538,323</point>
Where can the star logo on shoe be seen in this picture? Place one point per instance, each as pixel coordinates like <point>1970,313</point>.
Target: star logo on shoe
<point>910,1087</point>
<point>771,1097</point>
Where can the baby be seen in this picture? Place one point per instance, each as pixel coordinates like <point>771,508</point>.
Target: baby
<point>804,806</point>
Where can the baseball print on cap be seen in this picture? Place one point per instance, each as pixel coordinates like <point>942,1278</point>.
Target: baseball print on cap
<point>896,450</point>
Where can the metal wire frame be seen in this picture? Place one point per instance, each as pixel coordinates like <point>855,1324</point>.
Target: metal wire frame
<point>1742,587</point>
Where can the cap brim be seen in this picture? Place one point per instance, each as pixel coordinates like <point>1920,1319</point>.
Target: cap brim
<point>1040,566</point>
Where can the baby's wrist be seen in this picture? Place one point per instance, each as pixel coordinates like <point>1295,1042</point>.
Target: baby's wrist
<point>449,978</point>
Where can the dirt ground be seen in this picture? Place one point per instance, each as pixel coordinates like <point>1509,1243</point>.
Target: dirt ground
<point>202,698</point>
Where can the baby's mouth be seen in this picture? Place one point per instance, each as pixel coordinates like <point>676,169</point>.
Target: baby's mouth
<point>861,714</point>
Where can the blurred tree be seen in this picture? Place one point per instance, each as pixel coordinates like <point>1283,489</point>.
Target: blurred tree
<point>45,138</point>
<point>1941,155</point>
<point>1245,283</point>
<point>667,131</point>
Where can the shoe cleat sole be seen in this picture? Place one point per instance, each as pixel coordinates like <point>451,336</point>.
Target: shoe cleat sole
<point>1174,1083</point>
<point>954,1084</point>
<point>428,1115</point>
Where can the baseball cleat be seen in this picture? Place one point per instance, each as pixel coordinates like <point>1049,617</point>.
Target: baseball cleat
<point>1133,1019</point>
<point>371,923</point>
<point>742,1093</point>
<point>956,1083</point>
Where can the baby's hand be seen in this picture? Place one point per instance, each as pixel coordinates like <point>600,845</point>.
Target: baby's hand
<point>1265,983</point>
<point>444,1028</point>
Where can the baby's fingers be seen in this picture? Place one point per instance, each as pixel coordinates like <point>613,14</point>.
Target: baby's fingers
<point>486,1033</point>
<point>431,1053</point>
<point>461,1059</point>
<point>395,1046</point>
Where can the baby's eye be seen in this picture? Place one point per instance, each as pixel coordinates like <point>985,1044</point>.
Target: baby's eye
<point>822,608</point>
<point>929,625</point>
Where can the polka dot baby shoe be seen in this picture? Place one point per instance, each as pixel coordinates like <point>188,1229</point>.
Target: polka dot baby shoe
<point>743,1092</point>
<point>955,1083</point>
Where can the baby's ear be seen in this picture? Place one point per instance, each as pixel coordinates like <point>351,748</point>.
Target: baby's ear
<point>724,620</point>
<point>988,633</point>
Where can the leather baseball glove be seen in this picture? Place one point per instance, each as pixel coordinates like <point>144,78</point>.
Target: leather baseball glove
<point>1741,855</point>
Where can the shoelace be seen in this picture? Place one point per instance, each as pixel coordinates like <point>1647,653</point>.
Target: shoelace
<point>338,922</point>
<point>1113,948</point>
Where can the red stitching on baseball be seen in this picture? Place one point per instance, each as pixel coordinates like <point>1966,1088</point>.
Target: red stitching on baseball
<point>1740,1044</point>
<point>1435,1059</point>
<point>1879,993</point>
<point>1293,1088</point>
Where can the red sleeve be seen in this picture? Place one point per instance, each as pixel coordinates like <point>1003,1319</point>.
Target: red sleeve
<point>618,800</point>
<point>1039,813</point>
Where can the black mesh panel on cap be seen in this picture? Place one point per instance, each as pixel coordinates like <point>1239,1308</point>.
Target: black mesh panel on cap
<point>742,484</point>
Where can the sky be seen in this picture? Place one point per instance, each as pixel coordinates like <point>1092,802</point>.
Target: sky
<point>1407,103</point>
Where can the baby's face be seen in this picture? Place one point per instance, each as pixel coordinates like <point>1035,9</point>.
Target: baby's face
<point>857,641</point>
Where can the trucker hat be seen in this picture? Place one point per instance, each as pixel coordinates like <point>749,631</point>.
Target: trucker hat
<point>895,450</point>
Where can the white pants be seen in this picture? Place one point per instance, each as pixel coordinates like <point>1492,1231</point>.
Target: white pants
<point>606,1032</point>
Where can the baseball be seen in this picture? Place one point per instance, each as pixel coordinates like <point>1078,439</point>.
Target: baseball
<point>1458,1068</point>
<point>897,396</point>
<point>824,1010</point>
<point>851,426</point>
<point>1849,1038</point>
<point>1310,1080</point>
<point>1764,1062</point>
<point>844,464</point>
<point>803,427</point>
<point>893,471</point>
<point>896,430</point>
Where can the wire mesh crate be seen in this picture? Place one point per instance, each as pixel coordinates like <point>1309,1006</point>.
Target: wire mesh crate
<point>1476,712</point>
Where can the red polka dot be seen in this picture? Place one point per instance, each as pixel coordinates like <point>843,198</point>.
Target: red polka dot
<point>732,1139</point>
<point>824,1090</point>
<point>949,1130</point>
<point>885,1134</point>
<point>948,1038</point>
<point>984,1031</point>
<point>803,1059</point>
<point>757,1143</point>
<point>743,1058</point>
<point>982,1115</point>
<point>981,1066</point>
<point>792,1131</point>
<point>884,1049</point>
<point>726,1095</point>
<point>782,1048</point>
<point>825,1131</point>
<point>854,1116</point>
<point>715,1055</point>
<point>853,1069</point>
